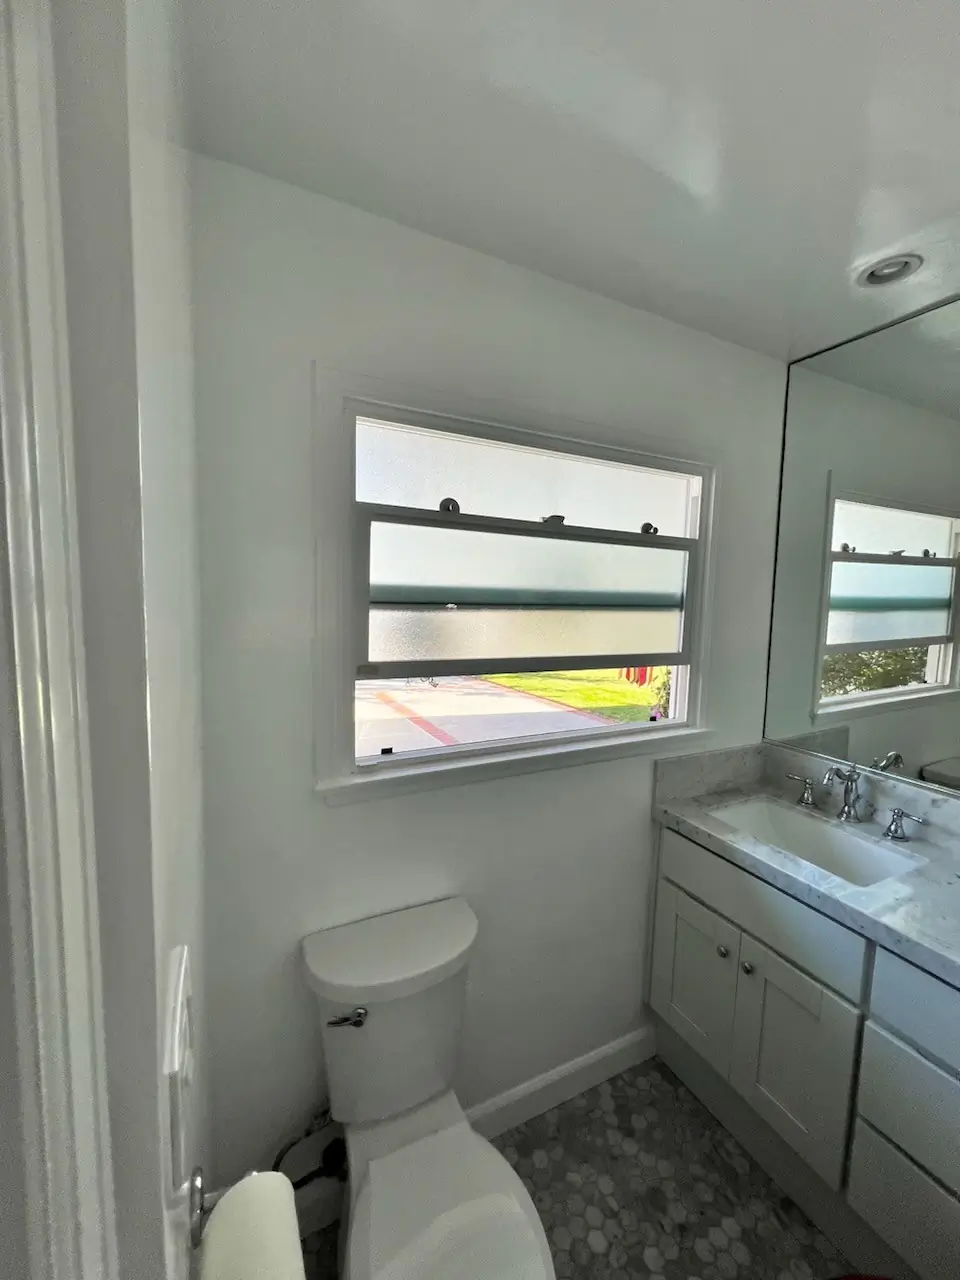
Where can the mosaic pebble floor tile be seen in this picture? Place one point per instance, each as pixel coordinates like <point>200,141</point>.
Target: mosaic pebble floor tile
<point>635,1180</point>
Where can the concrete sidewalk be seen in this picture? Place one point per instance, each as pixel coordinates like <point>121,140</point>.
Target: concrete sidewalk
<point>414,716</point>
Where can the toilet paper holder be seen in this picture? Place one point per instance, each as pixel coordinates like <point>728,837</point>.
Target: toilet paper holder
<point>200,1205</point>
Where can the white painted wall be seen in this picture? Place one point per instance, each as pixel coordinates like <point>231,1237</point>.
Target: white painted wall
<point>126,254</point>
<point>876,446</point>
<point>556,864</point>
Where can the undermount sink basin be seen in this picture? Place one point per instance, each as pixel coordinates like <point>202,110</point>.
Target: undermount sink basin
<point>840,850</point>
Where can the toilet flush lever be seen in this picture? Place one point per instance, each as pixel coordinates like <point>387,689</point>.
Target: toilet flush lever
<point>355,1019</point>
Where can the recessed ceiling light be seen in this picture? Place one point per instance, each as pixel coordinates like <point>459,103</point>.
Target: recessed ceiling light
<point>890,270</point>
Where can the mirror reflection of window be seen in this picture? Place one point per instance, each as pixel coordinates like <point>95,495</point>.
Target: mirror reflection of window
<point>890,601</point>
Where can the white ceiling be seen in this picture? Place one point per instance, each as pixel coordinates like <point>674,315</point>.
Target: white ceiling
<point>726,163</point>
<point>916,362</point>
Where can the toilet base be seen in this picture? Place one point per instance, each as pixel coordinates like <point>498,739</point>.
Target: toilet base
<point>431,1199</point>
<point>366,1142</point>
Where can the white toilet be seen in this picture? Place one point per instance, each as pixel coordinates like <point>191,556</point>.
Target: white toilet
<point>429,1198</point>
<point>945,773</point>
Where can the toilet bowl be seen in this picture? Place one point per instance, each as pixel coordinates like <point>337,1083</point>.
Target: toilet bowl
<point>429,1198</point>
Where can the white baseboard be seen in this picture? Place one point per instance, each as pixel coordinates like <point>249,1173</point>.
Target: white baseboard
<point>562,1083</point>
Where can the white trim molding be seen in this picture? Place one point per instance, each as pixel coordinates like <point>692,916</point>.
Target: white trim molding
<point>46,811</point>
<point>535,1096</point>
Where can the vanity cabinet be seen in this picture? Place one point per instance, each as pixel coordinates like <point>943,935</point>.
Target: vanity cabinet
<point>847,1051</point>
<point>757,989</point>
<point>905,1168</point>
<point>905,1206</point>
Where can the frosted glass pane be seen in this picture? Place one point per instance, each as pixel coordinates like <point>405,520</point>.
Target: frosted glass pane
<point>408,467</point>
<point>463,633</point>
<point>414,565</point>
<point>879,530</point>
<point>870,602</point>
<point>843,626</point>
<point>875,587</point>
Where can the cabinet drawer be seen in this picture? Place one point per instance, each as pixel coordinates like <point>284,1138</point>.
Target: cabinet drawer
<point>904,1206</point>
<point>911,1101</point>
<point>822,947</point>
<point>923,1009</point>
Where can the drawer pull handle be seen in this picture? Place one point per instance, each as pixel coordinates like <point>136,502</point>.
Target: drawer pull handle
<point>747,967</point>
<point>723,951</point>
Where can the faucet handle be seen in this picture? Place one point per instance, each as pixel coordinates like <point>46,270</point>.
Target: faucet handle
<point>895,830</point>
<point>806,800</point>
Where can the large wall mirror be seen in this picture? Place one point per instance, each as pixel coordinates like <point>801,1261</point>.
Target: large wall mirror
<point>865,640</point>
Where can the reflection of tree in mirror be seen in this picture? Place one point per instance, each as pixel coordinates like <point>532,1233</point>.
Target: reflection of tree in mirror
<point>880,669</point>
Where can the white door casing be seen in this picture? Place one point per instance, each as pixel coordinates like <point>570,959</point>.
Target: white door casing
<point>44,749</point>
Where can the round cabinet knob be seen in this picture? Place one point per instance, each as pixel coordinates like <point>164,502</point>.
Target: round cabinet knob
<point>747,967</point>
<point>723,951</point>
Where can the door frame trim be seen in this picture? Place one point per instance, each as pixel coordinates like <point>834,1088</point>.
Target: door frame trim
<point>46,818</point>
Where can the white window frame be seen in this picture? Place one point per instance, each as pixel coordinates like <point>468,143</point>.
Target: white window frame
<point>845,705</point>
<point>339,776</point>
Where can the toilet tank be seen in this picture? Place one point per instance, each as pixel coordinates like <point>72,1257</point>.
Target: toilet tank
<point>408,970</point>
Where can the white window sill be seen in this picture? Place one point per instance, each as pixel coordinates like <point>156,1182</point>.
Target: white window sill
<point>371,782</point>
<point>855,709</point>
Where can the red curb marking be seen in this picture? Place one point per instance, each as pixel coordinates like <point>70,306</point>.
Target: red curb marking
<point>427,726</point>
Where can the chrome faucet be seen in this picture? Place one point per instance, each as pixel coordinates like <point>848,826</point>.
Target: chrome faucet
<point>892,760</point>
<point>851,794</point>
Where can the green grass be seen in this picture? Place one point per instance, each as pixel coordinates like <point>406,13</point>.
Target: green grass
<point>602,692</point>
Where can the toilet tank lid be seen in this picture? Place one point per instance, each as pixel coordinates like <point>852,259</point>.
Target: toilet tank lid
<point>384,957</point>
<point>946,772</point>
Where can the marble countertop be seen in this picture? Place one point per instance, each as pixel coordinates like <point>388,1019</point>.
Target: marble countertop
<point>916,914</point>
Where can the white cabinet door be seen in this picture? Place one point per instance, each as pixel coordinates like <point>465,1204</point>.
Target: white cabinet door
<point>694,983</point>
<point>794,1044</point>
